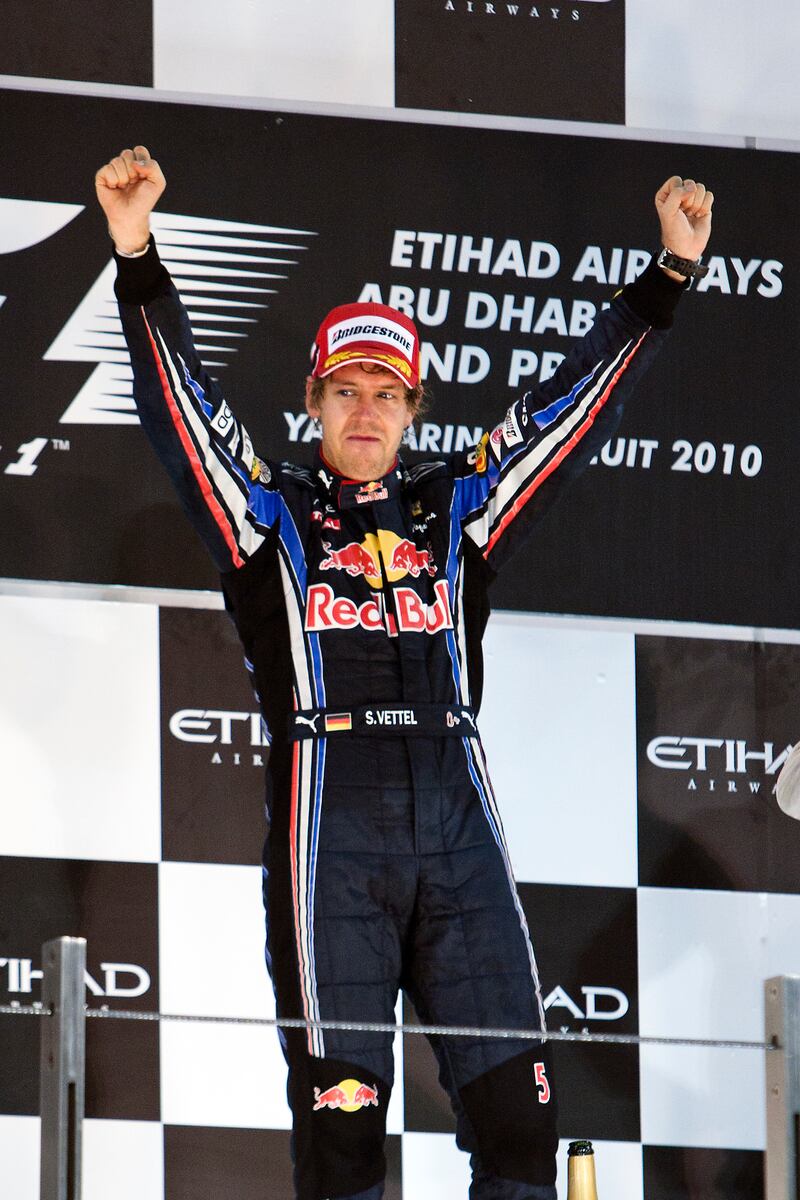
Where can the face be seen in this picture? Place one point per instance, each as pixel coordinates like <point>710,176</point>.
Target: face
<point>363,414</point>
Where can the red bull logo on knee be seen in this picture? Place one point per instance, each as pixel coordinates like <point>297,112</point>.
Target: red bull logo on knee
<point>348,1096</point>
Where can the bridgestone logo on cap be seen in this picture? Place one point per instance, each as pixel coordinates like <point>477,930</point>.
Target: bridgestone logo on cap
<point>356,329</point>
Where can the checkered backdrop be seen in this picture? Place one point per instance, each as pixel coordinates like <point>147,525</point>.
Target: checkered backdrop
<point>658,876</point>
<point>688,67</point>
<point>654,865</point>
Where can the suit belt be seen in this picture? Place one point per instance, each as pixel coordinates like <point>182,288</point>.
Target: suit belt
<point>385,720</point>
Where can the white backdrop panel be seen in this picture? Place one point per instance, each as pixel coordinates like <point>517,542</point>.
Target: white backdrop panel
<point>329,53</point>
<point>715,67</point>
<point>433,1165</point>
<point>123,1159</point>
<point>79,737</point>
<point>558,722</point>
<point>211,941</point>
<point>211,947</point>
<point>224,1075</point>
<point>695,1096</point>
<point>703,957</point>
<point>19,1154</point>
<point>120,1158</point>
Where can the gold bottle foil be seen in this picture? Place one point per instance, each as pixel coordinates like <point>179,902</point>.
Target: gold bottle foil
<point>581,1181</point>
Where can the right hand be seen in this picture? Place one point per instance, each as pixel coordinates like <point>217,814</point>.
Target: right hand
<point>684,211</point>
<point>128,188</point>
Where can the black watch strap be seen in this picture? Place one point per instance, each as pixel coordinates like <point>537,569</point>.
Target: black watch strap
<point>692,268</point>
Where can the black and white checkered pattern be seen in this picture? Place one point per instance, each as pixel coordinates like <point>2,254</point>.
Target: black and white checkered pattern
<point>95,791</point>
<point>371,53</point>
<point>643,894</point>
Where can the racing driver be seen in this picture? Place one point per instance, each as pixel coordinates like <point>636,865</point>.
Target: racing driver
<point>359,586</point>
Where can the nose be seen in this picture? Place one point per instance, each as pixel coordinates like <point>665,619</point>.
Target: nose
<point>367,405</point>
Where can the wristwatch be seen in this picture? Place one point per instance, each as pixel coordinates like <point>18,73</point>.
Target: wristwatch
<point>692,268</point>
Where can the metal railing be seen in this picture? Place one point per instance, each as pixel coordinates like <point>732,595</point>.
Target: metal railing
<point>63,1057</point>
<point>782,1029</point>
<point>62,1065</point>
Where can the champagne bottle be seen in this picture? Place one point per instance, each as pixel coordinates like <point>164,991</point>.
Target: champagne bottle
<point>581,1182</point>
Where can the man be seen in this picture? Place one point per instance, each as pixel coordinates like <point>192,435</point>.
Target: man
<point>359,589</point>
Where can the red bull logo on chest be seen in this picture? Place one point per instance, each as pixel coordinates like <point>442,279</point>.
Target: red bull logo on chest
<point>407,559</point>
<point>378,557</point>
<point>371,492</point>
<point>326,611</point>
<point>354,559</point>
<point>377,553</point>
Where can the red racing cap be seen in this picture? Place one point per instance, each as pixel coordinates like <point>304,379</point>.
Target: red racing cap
<point>374,333</point>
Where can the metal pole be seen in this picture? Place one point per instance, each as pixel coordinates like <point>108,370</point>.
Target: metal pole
<point>62,1067</point>
<point>782,1027</point>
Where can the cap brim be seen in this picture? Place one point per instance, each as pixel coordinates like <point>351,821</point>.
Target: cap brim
<point>378,359</point>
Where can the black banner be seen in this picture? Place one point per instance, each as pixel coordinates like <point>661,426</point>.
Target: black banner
<point>87,40</point>
<point>715,723</point>
<point>671,1171</point>
<point>502,244</point>
<point>114,905</point>
<point>522,59</point>
<point>213,747</point>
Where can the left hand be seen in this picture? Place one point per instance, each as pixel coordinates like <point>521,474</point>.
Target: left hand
<point>684,210</point>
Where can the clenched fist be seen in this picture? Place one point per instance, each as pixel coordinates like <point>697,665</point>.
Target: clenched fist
<point>684,210</point>
<point>128,188</point>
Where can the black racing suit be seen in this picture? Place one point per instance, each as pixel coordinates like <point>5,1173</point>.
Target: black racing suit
<point>361,608</point>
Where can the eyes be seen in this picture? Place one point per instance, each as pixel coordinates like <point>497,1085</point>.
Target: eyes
<point>389,395</point>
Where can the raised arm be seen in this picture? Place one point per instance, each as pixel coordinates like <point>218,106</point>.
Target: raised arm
<point>225,490</point>
<point>549,435</point>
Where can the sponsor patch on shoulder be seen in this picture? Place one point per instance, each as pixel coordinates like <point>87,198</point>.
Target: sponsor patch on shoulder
<point>260,472</point>
<point>477,457</point>
<point>512,435</point>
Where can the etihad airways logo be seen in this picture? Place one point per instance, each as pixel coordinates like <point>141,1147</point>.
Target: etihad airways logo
<point>119,980</point>
<point>598,1003</point>
<point>225,272</point>
<point>238,738</point>
<point>539,12</point>
<point>707,759</point>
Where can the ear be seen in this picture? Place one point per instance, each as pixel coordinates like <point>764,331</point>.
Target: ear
<point>311,408</point>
